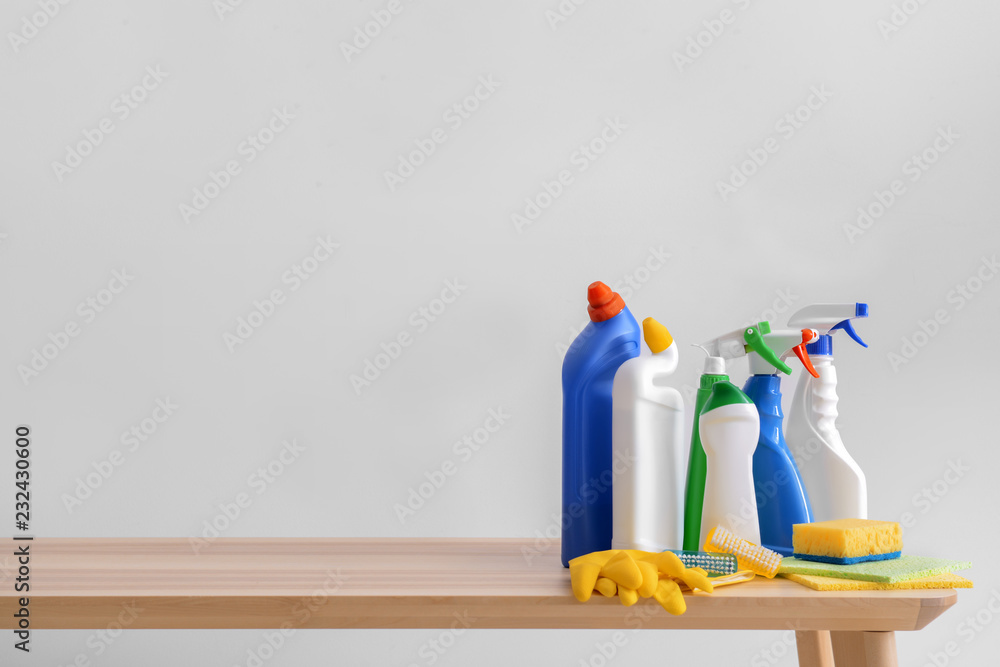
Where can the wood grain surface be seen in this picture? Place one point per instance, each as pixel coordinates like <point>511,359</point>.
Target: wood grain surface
<point>395,583</point>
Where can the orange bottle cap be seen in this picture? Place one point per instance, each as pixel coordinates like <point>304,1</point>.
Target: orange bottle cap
<point>604,303</point>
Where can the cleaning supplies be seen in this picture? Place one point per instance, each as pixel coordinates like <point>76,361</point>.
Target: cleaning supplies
<point>817,583</point>
<point>781,497</point>
<point>835,482</point>
<point>609,339</point>
<point>647,432</point>
<point>750,556</point>
<point>713,564</point>
<point>893,571</point>
<point>632,574</point>
<point>729,427</point>
<point>847,541</point>
<point>728,346</point>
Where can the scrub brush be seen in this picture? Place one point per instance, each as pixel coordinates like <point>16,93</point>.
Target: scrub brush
<point>749,555</point>
<point>712,563</point>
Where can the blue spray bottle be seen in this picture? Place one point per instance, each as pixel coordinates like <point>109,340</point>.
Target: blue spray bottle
<point>611,338</point>
<point>782,499</point>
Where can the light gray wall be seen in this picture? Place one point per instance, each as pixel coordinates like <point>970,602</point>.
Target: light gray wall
<point>787,237</point>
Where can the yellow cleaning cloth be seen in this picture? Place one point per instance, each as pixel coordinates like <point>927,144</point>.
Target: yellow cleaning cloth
<point>947,580</point>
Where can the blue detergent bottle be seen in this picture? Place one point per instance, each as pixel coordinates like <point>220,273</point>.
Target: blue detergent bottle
<point>782,500</point>
<point>611,338</point>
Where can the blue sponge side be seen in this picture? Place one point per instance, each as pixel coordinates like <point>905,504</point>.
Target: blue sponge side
<point>849,561</point>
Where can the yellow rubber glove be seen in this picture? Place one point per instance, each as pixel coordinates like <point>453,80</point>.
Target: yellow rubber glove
<point>631,574</point>
<point>583,573</point>
<point>669,595</point>
<point>621,569</point>
<point>606,587</point>
<point>669,564</point>
<point>649,578</point>
<point>628,596</point>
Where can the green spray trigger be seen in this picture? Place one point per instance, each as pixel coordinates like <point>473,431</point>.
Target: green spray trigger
<point>754,338</point>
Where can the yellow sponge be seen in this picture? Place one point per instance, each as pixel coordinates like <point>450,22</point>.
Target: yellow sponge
<point>947,580</point>
<point>847,541</point>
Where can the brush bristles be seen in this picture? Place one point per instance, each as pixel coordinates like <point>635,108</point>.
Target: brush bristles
<point>750,556</point>
<point>711,563</point>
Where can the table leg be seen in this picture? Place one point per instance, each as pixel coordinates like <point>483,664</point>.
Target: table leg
<point>814,648</point>
<point>864,649</point>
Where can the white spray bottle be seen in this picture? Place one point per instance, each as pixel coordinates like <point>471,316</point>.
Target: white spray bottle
<point>835,482</point>
<point>648,448</point>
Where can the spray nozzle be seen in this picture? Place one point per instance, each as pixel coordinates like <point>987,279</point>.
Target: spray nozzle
<point>828,318</point>
<point>755,342</point>
<point>849,330</point>
<point>808,336</point>
<point>786,341</point>
<point>737,344</point>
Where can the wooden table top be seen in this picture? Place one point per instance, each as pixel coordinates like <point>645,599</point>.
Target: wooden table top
<point>393,583</point>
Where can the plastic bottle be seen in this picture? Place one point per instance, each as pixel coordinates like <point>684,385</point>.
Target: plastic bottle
<point>610,339</point>
<point>782,499</point>
<point>728,346</point>
<point>836,483</point>
<point>729,426</point>
<point>647,442</point>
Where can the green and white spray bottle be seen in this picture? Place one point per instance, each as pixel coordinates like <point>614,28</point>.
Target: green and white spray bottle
<point>728,346</point>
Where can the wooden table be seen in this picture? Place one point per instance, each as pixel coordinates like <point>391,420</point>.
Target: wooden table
<point>419,583</point>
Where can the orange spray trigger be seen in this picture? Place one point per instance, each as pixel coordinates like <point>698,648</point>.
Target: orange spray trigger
<point>808,336</point>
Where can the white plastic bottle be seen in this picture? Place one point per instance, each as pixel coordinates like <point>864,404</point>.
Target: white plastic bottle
<point>729,427</point>
<point>648,448</point>
<point>836,484</point>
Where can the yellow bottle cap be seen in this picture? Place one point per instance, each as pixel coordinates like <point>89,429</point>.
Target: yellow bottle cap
<point>656,335</point>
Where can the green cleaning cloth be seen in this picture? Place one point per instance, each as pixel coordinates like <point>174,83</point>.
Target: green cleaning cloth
<point>899,569</point>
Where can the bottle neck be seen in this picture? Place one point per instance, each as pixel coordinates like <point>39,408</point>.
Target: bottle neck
<point>822,346</point>
<point>708,379</point>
